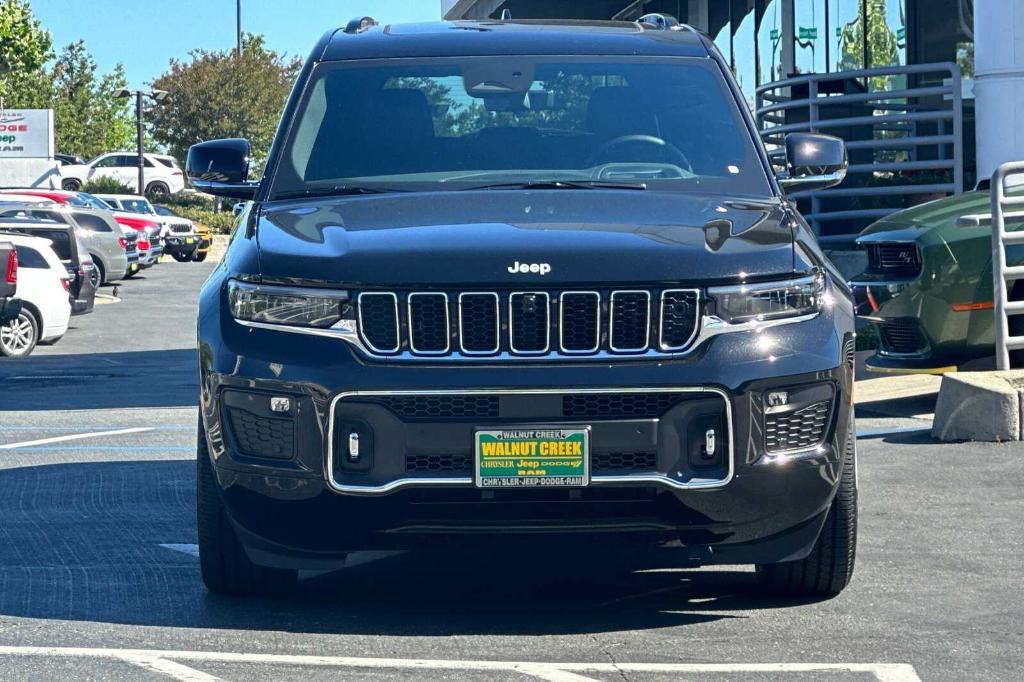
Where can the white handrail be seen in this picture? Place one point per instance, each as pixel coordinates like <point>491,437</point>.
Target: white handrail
<point>1001,274</point>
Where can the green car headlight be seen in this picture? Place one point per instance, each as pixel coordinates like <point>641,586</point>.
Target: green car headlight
<point>765,301</point>
<point>292,306</point>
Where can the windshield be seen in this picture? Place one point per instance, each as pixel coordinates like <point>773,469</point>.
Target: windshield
<point>137,206</point>
<point>669,124</point>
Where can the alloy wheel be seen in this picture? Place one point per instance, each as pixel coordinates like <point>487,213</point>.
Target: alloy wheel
<point>18,337</point>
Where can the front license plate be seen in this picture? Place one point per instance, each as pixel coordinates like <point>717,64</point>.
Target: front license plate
<point>533,457</point>
<point>190,240</point>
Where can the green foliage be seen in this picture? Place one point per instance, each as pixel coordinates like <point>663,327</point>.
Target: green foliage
<point>24,50</point>
<point>882,44</point>
<point>106,185</point>
<point>188,200</point>
<point>89,119</point>
<point>220,94</point>
<point>219,223</point>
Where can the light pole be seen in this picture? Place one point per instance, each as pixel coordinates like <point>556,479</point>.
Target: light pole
<point>156,96</point>
<point>238,26</point>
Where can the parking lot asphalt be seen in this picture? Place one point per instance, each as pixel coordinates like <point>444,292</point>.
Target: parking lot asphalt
<point>99,578</point>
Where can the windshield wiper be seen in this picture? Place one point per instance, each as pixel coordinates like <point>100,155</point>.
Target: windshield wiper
<point>335,191</point>
<point>563,184</point>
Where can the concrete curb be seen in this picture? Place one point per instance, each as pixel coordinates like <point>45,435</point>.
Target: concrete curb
<point>980,406</point>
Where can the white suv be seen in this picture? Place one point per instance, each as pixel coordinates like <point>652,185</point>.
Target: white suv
<point>162,174</point>
<point>43,287</point>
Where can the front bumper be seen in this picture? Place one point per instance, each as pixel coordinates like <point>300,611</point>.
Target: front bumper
<point>301,507</point>
<point>184,244</point>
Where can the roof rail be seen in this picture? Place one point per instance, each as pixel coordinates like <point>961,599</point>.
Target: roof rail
<point>662,22</point>
<point>360,24</point>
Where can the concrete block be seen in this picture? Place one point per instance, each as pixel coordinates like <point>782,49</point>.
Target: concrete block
<point>979,406</point>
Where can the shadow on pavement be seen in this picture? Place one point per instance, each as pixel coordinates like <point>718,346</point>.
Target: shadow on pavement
<point>158,378</point>
<point>85,546</point>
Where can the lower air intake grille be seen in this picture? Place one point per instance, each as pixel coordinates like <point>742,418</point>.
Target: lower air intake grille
<point>901,336</point>
<point>803,428</point>
<point>616,462</point>
<point>262,437</point>
<point>618,405</point>
<point>440,406</point>
<point>447,463</point>
<point>624,461</point>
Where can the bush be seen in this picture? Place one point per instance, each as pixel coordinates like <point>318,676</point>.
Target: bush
<point>219,223</point>
<point>102,185</point>
<point>188,200</point>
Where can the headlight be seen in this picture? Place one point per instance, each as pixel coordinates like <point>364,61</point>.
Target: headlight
<point>769,300</point>
<point>292,306</point>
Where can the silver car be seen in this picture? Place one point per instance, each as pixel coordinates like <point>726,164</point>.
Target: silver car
<point>96,229</point>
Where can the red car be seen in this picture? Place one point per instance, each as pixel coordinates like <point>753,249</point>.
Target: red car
<point>149,229</point>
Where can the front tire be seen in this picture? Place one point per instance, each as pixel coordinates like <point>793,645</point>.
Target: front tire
<point>182,257</point>
<point>19,336</point>
<point>71,185</point>
<point>827,570</point>
<point>199,257</point>
<point>225,567</point>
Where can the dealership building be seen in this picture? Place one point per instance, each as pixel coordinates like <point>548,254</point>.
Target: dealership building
<point>899,80</point>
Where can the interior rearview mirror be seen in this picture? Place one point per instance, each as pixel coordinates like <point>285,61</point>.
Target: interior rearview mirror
<point>221,167</point>
<point>813,161</point>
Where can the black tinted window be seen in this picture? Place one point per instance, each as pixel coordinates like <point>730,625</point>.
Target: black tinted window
<point>448,123</point>
<point>92,222</point>
<point>30,258</point>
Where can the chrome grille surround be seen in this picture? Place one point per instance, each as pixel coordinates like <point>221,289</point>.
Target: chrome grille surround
<point>512,324</point>
<point>562,325</point>
<point>362,326</point>
<point>412,326</point>
<point>628,479</point>
<point>640,293</point>
<point>497,322</point>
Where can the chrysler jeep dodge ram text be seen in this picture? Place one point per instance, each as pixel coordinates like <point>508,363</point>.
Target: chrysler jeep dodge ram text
<point>513,282</point>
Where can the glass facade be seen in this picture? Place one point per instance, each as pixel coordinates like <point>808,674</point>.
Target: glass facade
<point>811,40</point>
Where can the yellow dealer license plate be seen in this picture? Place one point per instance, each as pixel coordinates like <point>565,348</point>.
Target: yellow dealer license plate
<point>533,457</point>
<point>190,240</point>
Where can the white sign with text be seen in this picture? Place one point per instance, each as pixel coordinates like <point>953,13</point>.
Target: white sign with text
<point>26,133</point>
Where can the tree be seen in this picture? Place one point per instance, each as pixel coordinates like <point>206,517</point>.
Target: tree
<point>221,94</point>
<point>89,120</point>
<point>24,50</point>
<point>882,44</point>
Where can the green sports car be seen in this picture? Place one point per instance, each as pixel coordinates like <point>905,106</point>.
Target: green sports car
<point>928,285</point>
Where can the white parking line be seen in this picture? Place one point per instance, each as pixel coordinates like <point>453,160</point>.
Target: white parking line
<point>191,550</point>
<point>170,668</point>
<point>74,436</point>
<point>884,672</point>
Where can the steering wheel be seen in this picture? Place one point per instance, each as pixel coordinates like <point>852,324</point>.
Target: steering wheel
<point>673,152</point>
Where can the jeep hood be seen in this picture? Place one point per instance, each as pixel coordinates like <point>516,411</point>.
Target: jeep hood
<point>474,237</point>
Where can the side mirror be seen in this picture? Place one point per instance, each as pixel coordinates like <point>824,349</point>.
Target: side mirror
<point>813,162</point>
<point>221,167</point>
<point>237,209</point>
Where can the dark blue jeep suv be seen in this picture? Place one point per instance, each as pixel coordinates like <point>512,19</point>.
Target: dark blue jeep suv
<point>510,282</point>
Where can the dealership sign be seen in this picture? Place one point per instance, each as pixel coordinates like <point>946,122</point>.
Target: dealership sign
<point>26,133</point>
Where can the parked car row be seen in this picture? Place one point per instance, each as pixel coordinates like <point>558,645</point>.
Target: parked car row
<point>58,247</point>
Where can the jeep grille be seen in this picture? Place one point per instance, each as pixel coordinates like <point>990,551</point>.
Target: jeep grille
<point>528,323</point>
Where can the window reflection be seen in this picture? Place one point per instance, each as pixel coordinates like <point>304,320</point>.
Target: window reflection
<point>770,35</point>
<point>847,52</point>
<point>810,36</point>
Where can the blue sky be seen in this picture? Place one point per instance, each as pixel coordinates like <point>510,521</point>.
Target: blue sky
<point>144,34</point>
